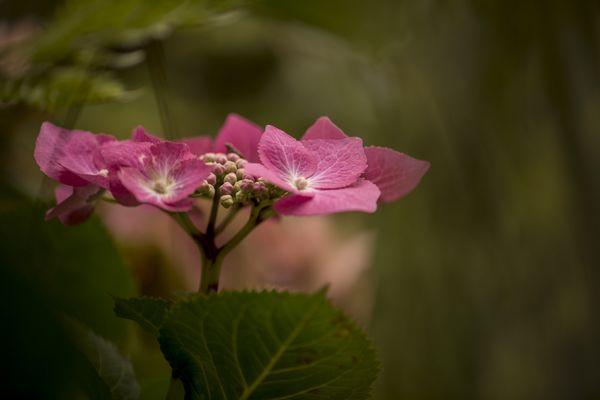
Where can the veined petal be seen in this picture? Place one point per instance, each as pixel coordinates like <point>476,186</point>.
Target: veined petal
<point>260,171</point>
<point>240,133</point>
<point>285,155</point>
<point>395,174</point>
<point>361,196</point>
<point>340,162</point>
<point>62,154</point>
<point>323,128</point>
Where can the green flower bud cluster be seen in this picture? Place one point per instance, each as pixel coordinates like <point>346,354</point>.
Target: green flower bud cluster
<point>229,180</point>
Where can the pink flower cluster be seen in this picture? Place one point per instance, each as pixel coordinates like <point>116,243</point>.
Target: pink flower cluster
<point>325,172</point>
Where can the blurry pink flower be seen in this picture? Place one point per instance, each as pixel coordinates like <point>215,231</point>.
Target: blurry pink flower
<point>322,175</point>
<point>395,174</point>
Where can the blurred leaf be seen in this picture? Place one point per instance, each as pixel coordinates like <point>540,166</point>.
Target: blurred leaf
<point>115,372</point>
<point>68,62</point>
<point>264,345</point>
<point>75,268</point>
<point>63,87</point>
<point>149,312</point>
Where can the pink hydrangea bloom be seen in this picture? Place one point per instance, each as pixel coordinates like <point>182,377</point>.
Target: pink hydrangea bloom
<point>323,176</point>
<point>160,173</point>
<point>72,157</point>
<point>395,174</point>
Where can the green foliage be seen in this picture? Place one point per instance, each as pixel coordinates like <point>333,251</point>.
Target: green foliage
<point>76,269</point>
<point>149,312</point>
<point>113,374</point>
<point>248,345</point>
<point>70,60</point>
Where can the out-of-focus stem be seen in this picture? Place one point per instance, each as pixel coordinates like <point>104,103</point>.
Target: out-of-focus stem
<point>155,55</point>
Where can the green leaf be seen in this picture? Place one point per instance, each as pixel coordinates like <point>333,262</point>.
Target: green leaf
<point>75,269</point>
<point>147,311</point>
<point>248,345</point>
<point>113,374</point>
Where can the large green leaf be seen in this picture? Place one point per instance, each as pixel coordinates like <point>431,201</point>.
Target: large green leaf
<point>147,311</point>
<point>75,269</point>
<point>114,371</point>
<point>269,345</point>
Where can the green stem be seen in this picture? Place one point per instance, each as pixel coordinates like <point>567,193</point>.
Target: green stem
<point>232,213</point>
<point>155,54</point>
<point>214,210</point>
<point>175,391</point>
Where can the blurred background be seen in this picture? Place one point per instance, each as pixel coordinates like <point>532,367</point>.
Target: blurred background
<point>484,283</point>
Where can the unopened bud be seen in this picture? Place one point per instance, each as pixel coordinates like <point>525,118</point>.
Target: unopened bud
<point>233,157</point>
<point>206,189</point>
<point>237,186</point>
<point>227,201</point>
<point>211,178</point>
<point>240,196</point>
<point>247,185</point>
<point>226,188</point>
<point>230,177</point>
<point>241,173</point>
<point>230,166</point>
<point>221,158</point>
<point>241,163</point>
<point>208,157</point>
<point>218,169</point>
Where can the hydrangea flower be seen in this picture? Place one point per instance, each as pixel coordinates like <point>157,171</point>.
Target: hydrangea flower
<point>323,176</point>
<point>395,174</point>
<point>328,172</point>
<point>73,158</point>
<point>147,169</point>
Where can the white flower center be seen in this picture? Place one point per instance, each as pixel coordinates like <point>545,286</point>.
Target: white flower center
<point>300,183</point>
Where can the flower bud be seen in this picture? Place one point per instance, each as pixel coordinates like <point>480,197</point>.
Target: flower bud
<point>221,158</point>
<point>230,177</point>
<point>247,185</point>
<point>208,157</point>
<point>233,157</point>
<point>218,169</point>
<point>240,197</point>
<point>206,189</point>
<point>241,173</point>
<point>230,166</point>
<point>227,201</point>
<point>226,188</point>
<point>211,179</point>
<point>237,186</point>
<point>241,163</point>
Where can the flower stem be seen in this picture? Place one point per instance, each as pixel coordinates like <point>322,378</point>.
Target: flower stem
<point>221,227</point>
<point>214,210</point>
<point>155,54</point>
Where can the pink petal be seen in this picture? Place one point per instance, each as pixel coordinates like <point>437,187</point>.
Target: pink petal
<point>362,196</point>
<point>394,173</point>
<point>74,205</point>
<point>323,128</point>
<point>82,157</point>
<point>199,145</point>
<point>242,134</point>
<point>284,155</point>
<point>126,153</point>
<point>340,162</point>
<point>260,171</point>
<point>50,148</point>
<point>141,135</point>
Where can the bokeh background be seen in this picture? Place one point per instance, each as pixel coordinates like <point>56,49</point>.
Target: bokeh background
<point>484,283</point>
